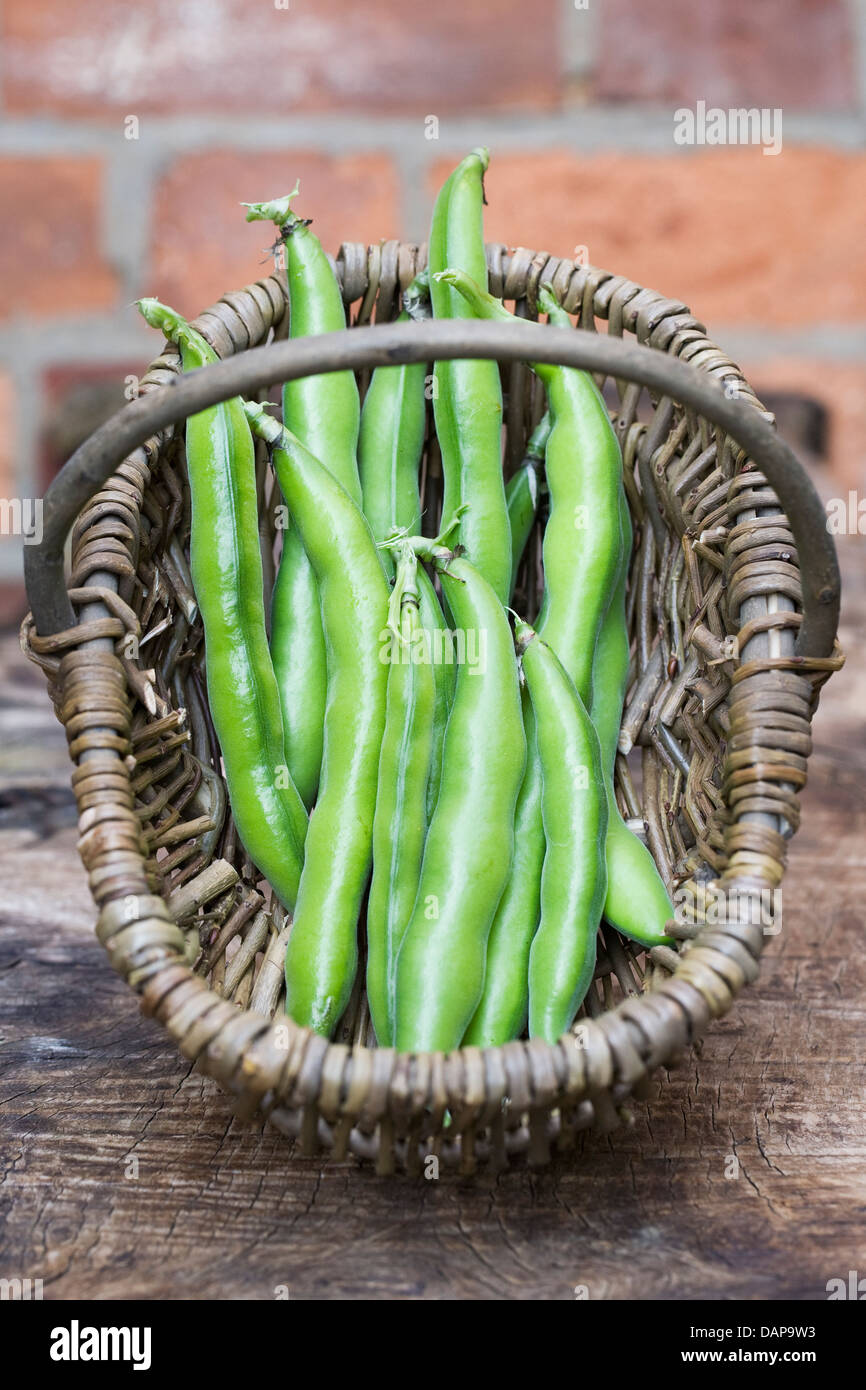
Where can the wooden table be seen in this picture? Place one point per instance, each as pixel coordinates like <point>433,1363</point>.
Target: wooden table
<point>125,1175</point>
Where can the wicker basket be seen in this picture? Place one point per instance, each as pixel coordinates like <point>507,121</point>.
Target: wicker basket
<point>717,718</point>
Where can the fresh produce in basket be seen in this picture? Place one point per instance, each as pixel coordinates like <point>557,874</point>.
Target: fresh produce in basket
<point>464,825</point>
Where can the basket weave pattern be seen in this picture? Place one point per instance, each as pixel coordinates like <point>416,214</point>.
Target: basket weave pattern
<point>722,730</point>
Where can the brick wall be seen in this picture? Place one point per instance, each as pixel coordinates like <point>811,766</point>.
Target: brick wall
<point>369,105</point>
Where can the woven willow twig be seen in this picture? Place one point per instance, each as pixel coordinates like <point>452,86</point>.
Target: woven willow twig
<point>717,717</point>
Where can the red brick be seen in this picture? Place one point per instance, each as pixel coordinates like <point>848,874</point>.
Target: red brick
<point>103,59</point>
<point>740,236</point>
<point>203,246</point>
<point>8,483</point>
<point>13,605</point>
<point>790,53</point>
<point>841,388</point>
<point>77,398</point>
<point>50,260</point>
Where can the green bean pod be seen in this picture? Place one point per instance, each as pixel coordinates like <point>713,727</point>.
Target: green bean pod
<point>324,412</point>
<point>501,1013</point>
<point>637,903</point>
<point>574,809</point>
<point>226,567</point>
<point>583,474</point>
<point>400,821</point>
<point>522,492</point>
<point>467,395</point>
<point>584,468</point>
<point>438,638</point>
<point>322,955</point>
<point>467,856</point>
<point>391,441</point>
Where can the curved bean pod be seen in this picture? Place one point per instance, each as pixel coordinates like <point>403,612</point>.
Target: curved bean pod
<point>637,903</point>
<point>583,472</point>
<point>322,954</point>
<point>501,1014</point>
<point>467,395</point>
<point>467,857</point>
<point>324,412</point>
<point>226,566</point>
<point>574,808</point>
<point>400,821</point>
<point>584,469</point>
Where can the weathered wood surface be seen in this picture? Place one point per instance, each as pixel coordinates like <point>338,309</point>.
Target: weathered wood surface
<point>219,1211</point>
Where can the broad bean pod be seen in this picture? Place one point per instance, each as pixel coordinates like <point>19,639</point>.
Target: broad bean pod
<point>226,568</point>
<point>400,821</point>
<point>468,852</point>
<point>322,955</point>
<point>391,441</point>
<point>584,469</point>
<point>467,395</point>
<point>574,809</point>
<point>637,903</point>
<point>324,412</point>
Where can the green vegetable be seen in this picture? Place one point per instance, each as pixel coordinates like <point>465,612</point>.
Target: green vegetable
<point>501,1013</point>
<point>226,566</point>
<point>574,808</point>
<point>467,395</point>
<point>323,411</point>
<point>322,955</point>
<point>391,442</point>
<point>637,903</point>
<point>584,469</point>
<point>400,822</point>
<point>467,856</point>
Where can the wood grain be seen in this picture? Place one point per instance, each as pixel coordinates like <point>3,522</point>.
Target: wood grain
<point>123,1174</point>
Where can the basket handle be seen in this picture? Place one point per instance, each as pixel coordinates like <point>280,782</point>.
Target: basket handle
<point>444,339</point>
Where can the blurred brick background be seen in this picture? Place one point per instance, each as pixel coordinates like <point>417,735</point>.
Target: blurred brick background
<point>232,100</point>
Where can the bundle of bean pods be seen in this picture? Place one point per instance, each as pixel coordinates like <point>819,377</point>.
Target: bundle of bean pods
<point>416,770</point>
